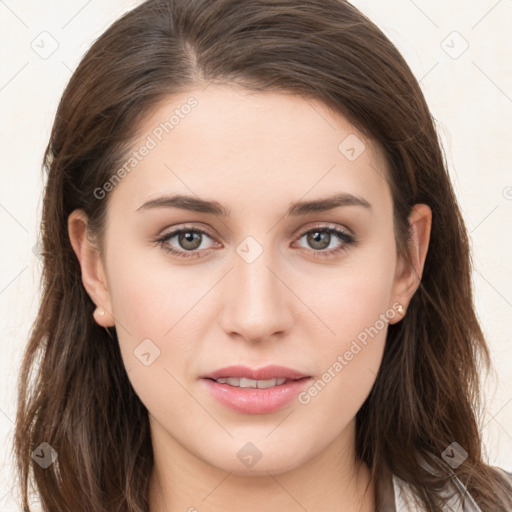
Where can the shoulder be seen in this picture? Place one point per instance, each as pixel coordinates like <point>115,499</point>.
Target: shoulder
<point>406,499</point>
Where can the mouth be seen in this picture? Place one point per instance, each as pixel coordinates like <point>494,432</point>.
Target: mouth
<point>253,383</point>
<point>255,391</point>
<point>266,373</point>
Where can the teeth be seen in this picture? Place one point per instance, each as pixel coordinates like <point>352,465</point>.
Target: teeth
<point>251,383</point>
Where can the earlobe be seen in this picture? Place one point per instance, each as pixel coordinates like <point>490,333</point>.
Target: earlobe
<point>91,265</point>
<point>408,277</point>
<point>103,318</point>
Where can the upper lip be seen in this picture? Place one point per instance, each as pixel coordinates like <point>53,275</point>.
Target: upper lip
<point>264,373</point>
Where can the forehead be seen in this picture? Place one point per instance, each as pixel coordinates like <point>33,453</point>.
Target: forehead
<point>241,145</point>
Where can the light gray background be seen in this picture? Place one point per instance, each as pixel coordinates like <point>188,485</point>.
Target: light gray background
<point>470,95</point>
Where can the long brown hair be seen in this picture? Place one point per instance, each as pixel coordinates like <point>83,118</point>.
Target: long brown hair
<point>74,393</point>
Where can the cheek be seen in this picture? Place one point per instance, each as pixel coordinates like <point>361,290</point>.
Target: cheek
<point>149,297</point>
<point>155,336</point>
<point>355,310</point>
<point>348,361</point>
<point>160,322</point>
<point>355,297</point>
<point>152,307</point>
<point>335,396</point>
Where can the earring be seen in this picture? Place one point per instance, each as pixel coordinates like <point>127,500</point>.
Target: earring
<point>401,309</point>
<point>99,315</point>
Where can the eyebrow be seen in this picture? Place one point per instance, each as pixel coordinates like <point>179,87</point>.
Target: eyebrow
<point>196,204</point>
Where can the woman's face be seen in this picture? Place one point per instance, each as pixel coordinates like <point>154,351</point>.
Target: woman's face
<point>265,283</point>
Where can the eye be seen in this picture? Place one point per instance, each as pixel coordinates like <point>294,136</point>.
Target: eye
<point>322,237</point>
<point>189,241</point>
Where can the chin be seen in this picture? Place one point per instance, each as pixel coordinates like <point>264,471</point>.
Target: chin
<point>275,462</point>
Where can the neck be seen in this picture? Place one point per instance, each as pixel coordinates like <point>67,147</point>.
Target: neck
<point>332,480</point>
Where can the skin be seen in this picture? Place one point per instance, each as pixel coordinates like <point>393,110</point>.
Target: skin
<point>255,153</point>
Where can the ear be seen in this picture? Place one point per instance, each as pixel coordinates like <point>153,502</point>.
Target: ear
<point>91,264</point>
<point>407,277</point>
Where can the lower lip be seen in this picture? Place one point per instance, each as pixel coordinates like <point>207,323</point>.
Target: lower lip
<point>255,400</point>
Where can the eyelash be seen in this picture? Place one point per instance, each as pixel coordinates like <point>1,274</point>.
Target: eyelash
<point>345,237</point>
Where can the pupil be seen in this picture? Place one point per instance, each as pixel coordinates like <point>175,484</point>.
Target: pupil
<point>188,238</point>
<point>316,236</point>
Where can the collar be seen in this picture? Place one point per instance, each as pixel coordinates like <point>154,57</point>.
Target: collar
<point>396,495</point>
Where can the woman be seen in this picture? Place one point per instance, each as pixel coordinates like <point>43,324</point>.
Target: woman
<point>257,280</point>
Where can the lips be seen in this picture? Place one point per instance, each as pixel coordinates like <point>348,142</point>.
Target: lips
<point>265,373</point>
<point>251,383</point>
<point>255,391</point>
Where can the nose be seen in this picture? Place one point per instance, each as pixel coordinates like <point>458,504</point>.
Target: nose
<point>257,304</point>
